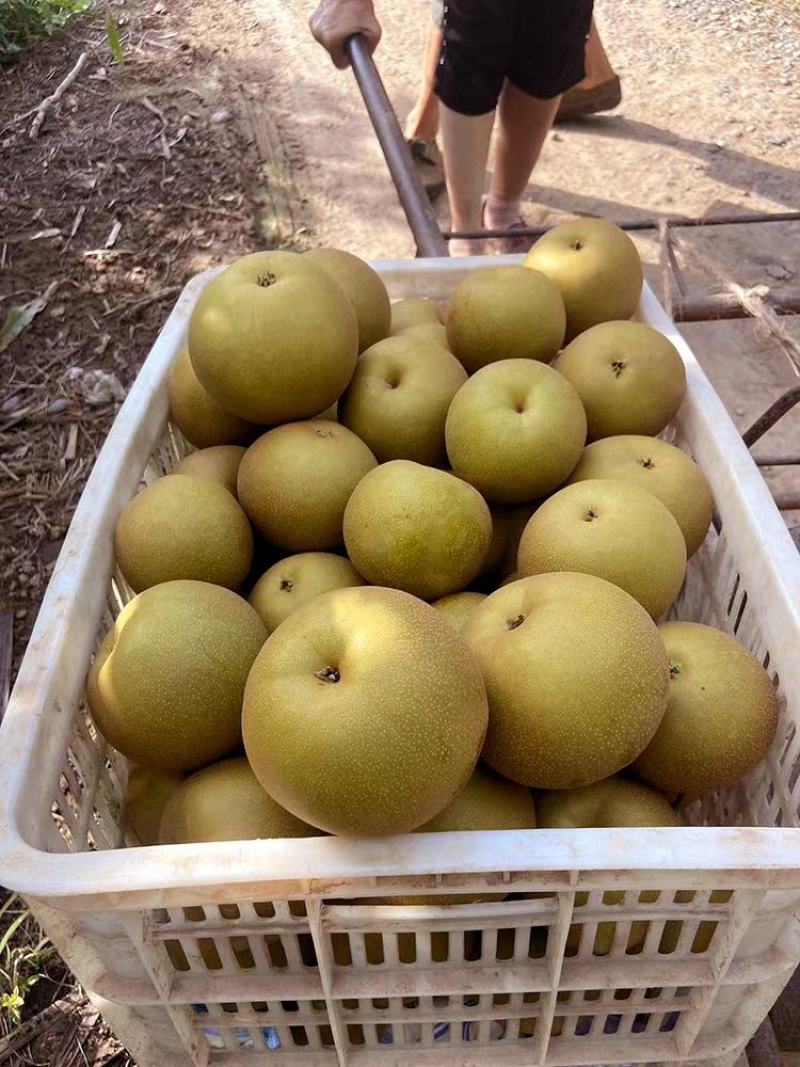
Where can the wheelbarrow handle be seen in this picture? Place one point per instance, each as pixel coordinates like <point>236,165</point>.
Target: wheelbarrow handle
<point>410,191</point>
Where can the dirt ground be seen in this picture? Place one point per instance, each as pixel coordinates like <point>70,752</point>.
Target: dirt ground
<point>141,177</point>
<point>227,130</point>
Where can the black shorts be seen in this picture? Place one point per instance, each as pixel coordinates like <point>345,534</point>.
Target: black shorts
<point>537,44</point>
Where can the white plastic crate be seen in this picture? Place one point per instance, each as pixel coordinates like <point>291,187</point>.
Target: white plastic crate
<point>235,954</point>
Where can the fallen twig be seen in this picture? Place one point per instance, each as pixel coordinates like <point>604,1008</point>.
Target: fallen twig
<point>4,467</point>
<point>148,103</point>
<point>146,301</point>
<point>39,235</point>
<point>71,449</point>
<point>77,221</point>
<point>47,103</point>
<point>111,240</point>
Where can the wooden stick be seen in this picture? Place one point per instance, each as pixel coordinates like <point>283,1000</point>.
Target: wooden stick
<point>47,103</point>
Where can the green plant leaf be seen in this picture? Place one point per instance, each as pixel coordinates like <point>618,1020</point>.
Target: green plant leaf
<point>114,43</point>
<point>9,902</point>
<point>19,317</point>
<point>12,1003</point>
<point>20,919</point>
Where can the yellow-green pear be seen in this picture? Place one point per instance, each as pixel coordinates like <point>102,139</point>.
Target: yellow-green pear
<point>146,796</point>
<point>273,338</point>
<point>295,481</point>
<point>577,679</point>
<point>596,267</point>
<point>721,717</point>
<point>398,399</point>
<point>614,801</point>
<point>364,289</point>
<point>167,682</point>
<point>199,417</point>
<point>416,528</point>
<point>614,530</point>
<point>183,526</point>
<point>365,712</point>
<point>225,802</point>
<point>292,582</point>
<point>505,313</point>
<point>457,607</point>
<point>413,311</point>
<point>220,463</point>
<point>629,377</point>
<point>515,430</point>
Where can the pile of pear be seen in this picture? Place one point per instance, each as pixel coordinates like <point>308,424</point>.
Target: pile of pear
<point>416,568</point>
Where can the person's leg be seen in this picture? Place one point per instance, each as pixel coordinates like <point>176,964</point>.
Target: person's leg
<point>523,124</point>
<point>599,90</point>
<point>476,48</point>
<point>598,65</point>
<point>465,143</point>
<point>423,119</point>
<point>548,58</point>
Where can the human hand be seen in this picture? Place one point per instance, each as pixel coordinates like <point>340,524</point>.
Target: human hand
<point>336,20</point>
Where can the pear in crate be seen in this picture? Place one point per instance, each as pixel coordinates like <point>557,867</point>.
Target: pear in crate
<point>515,430</point>
<point>414,311</point>
<point>721,717</point>
<point>458,607</point>
<point>295,481</point>
<point>596,267</point>
<point>430,331</point>
<point>614,530</point>
<point>612,802</point>
<point>167,682</point>
<point>577,678</point>
<point>145,799</point>
<point>418,529</point>
<point>505,313</point>
<point>273,338</point>
<point>183,526</point>
<point>225,802</point>
<point>629,376</point>
<point>219,463</point>
<point>292,582</point>
<point>364,713</point>
<point>662,469</point>
<point>364,289</point>
<point>487,802</point>
<point>398,398</point>
<point>200,418</point>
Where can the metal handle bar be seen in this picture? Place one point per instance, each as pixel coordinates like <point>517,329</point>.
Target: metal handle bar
<point>414,200</point>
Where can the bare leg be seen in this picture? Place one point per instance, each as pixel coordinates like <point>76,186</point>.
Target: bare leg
<point>600,90</point>
<point>465,141</point>
<point>524,122</point>
<point>423,119</point>
<point>598,65</point>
